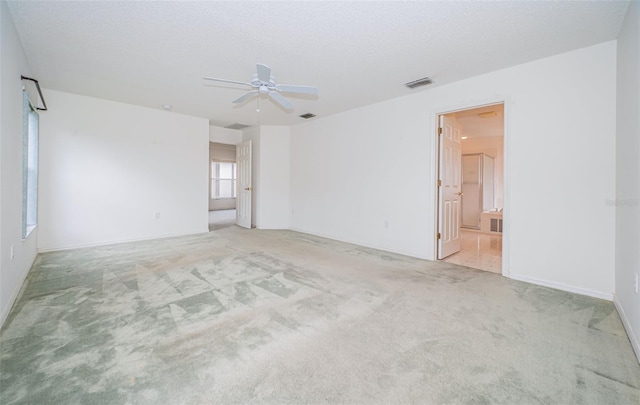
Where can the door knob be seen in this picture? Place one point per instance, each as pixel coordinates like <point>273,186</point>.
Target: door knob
<point>459,193</point>
<point>248,188</point>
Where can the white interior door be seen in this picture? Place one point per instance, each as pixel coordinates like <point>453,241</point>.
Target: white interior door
<point>243,202</point>
<point>449,187</point>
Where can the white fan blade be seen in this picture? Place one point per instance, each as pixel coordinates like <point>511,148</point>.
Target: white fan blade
<point>291,88</point>
<point>264,73</point>
<point>246,96</point>
<point>278,98</point>
<point>227,81</point>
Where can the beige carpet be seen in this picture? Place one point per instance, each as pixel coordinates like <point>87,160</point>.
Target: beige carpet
<point>240,316</point>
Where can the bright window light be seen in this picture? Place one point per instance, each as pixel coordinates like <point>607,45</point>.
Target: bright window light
<point>223,180</point>
<point>30,133</point>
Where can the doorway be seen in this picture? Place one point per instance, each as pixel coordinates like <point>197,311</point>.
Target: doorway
<point>230,187</point>
<point>471,187</point>
<point>222,185</point>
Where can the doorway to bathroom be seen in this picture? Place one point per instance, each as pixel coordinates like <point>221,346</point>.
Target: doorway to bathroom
<point>470,187</point>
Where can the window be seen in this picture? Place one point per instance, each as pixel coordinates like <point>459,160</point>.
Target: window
<point>30,130</point>
<point>223,180</point>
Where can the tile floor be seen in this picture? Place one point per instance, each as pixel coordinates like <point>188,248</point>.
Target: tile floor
<point>479,251</point>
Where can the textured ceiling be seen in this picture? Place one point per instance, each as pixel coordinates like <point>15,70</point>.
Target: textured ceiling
<point>357,53</point>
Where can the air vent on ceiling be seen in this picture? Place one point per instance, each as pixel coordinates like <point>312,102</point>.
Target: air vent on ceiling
<point>237,126</point>
<point>307,116</point>
<point>420,82</point>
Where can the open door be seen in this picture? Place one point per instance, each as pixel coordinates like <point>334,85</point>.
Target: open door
<point>449,186</point>
<point>243,202</point>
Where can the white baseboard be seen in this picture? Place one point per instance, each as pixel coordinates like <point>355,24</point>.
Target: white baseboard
<point>627,326</point>
<point>15,294</point>
<point>563,287</point>
<point>114,242</point>
<point>355,242</point>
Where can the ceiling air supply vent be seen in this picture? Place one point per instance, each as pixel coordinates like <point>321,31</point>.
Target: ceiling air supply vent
<point>237,126</point>
<point>307,116</point>
<point>417,83</point>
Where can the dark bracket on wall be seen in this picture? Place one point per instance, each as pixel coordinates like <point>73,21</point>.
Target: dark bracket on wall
<point>39,92</point>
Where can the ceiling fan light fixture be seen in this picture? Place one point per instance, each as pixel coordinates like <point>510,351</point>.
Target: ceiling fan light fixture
<point>420,82</point>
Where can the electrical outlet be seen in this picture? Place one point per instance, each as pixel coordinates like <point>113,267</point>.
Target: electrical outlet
<point>156,215</point>
<point>13,254</point>
<point>635,283</point>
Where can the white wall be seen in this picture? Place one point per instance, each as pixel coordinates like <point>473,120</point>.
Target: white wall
<point>224,135</point>
<point>107,168</point>
<point>270,176</point>
<point>628,175</point>
<point>367,175</point>
<point>274,173</point>
<point>13,63</point>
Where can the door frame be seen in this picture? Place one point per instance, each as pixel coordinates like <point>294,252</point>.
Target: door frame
<point>244,196</point>
<point>435,158</point>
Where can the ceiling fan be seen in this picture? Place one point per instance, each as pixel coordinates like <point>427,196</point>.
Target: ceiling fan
<point>263,83</point>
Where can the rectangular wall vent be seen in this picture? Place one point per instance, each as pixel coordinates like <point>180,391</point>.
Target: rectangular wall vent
<point>237,126</point>
<point>496,225</point>
<point>420,82</point>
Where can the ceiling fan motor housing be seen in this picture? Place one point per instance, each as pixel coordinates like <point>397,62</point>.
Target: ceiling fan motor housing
<point>264,84</point>
<point>257,83</point>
